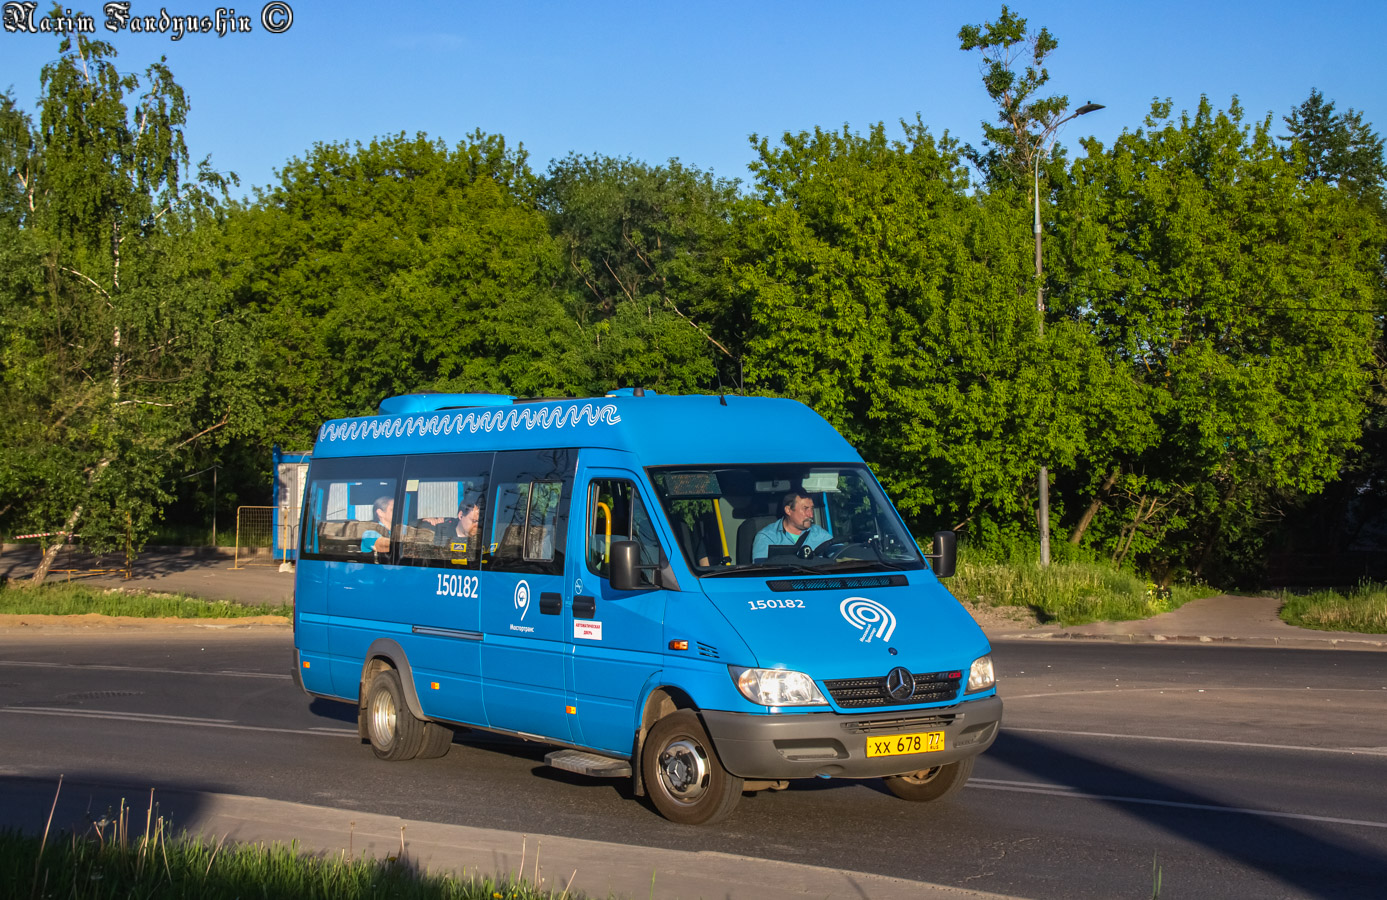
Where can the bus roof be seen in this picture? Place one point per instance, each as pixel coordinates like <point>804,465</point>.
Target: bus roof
<point>660,429</point>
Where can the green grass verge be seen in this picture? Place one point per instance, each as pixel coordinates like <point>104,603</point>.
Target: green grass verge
<point>1068,593</point>
<point>153,867</point>
<point>77,599</point>
<point>1362,609</point>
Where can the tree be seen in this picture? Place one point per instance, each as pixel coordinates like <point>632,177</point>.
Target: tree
<point>1241,299</point>
<point>397,266</point>
<point>116,356</point>
<point>896,304</point>
<point>1011,149</point>
<point>1337,149</point>
<point>647,250</point>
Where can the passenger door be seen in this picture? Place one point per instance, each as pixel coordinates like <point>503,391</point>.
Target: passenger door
<point>524,617</point>
<point>618,636</point>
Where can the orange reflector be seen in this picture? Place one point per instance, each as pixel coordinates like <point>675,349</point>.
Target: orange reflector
<point>434,685</point>
<point>305,664</point>
<point>678,645</point>
<point>571,710</point>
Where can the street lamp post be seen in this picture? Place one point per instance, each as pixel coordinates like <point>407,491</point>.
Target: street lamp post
<point>1043,482</point>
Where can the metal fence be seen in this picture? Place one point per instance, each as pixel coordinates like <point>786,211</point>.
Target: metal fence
<point>254,537</point>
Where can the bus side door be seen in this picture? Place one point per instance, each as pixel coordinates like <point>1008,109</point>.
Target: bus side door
<point>617,635</point>
<point>524,619</point>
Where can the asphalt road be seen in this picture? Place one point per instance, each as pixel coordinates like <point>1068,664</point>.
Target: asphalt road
<point>1242,772</point>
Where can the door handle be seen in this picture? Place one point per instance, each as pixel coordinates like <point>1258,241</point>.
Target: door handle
<point>550,603</point>
<point>584,606</point>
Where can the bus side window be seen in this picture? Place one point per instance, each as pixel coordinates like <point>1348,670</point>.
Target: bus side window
<point>445,502</point>
<point>615,513</point>
<point>529,510</point>
<point>351,511</point>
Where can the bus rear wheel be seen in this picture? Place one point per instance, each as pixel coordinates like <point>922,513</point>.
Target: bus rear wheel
<point>393,730</point>
<point>683,775</point>
<point>931,784</point>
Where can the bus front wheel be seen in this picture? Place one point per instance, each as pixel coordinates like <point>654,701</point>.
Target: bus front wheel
<point>932,784</point>
<point>685,780</point>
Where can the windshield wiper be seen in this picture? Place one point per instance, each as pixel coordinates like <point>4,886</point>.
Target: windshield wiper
<point>759,568</point>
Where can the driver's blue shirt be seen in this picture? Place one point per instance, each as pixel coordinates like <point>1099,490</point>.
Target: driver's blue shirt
<point>775,534</point>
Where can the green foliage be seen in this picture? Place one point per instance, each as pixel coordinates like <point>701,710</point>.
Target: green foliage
<point>646,253</point>
<point>1362,609</point>
<point>115,356</point>
<point>399,266</point>
<point>1338,149</point>
<point>1010,150</point>
<point>1241,300</point>
<point>111,862</point>
<point>897,305</point>
<point>1067,593</point>
<point>79,599</point>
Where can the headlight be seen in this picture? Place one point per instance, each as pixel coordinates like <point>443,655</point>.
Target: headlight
<point>777,687</point>
<point>980,676</point>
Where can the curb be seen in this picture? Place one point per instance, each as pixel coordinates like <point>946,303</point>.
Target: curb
<point>1297,642</point>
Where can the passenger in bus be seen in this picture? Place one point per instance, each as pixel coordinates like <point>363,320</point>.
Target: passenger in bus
<point>795,526</point>
<point>459,535</point>
<point>377,538</point>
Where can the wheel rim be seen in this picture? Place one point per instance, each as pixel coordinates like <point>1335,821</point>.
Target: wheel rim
<point>924,776</point>
<point>684,770</point>
<point>383,719</point>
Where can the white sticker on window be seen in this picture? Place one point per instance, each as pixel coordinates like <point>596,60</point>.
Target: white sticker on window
<point>587,631</point>
<point>818,482</point>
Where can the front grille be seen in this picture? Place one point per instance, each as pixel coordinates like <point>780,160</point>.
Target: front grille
<point>898,725</point>
<point>859,693</point>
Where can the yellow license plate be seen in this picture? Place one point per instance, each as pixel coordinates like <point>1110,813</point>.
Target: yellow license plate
<point>901,744</point>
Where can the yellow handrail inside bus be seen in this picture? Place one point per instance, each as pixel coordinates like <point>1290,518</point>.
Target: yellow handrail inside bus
<point>606,512</point>
<point>722,531</point>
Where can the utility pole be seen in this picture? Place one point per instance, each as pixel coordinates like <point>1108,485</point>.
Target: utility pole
<point>1046,141</point>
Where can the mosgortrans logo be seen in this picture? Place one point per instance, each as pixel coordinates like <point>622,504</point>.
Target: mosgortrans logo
<point>23,17</point>
<point>873,619</point>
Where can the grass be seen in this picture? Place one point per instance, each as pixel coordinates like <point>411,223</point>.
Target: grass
<point>78,599</point>
<point>114,860</point>
<point>1362,609</point>
<point>1068,593</point>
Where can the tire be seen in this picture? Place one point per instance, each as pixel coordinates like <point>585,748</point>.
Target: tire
<point>392,729</point>
<point>438,740</point>
<point>683,775</point>
<point>928,785</point>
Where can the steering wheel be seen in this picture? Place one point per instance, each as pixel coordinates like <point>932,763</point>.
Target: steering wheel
<point>833,549</point>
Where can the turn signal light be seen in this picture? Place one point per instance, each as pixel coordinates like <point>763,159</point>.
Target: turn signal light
<point>678,645</point>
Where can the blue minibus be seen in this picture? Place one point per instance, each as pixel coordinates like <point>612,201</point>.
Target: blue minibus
<point>705,594</point>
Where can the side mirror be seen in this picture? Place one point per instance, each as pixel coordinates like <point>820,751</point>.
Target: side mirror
<point>626,569</point>
<point>945,555</point>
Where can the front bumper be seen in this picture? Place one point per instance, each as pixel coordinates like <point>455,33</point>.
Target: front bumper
<point>773,747</point>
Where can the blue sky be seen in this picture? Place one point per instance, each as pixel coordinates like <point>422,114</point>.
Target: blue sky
<point>693,80</point>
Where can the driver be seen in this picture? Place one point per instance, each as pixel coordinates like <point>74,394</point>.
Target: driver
<point>795,526</point>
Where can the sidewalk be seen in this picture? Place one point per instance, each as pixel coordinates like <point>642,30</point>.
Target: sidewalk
<point>1225,619</point>
<point>204,572</point>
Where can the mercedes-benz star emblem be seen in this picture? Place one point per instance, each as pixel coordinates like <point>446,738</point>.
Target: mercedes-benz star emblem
<point>900,684</point>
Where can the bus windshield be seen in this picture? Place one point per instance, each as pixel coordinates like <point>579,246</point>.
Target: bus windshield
<point>797,517</point>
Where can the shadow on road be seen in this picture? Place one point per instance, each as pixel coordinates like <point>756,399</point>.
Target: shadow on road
<point>1313,863</point>
<point>204,572</point>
